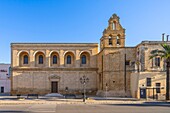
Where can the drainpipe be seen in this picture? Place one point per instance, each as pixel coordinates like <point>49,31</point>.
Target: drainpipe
<point>163,36</point>
<point>125,74</point>
<point>167,38</point>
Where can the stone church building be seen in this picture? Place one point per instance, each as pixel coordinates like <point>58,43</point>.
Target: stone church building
<point>44,68</point>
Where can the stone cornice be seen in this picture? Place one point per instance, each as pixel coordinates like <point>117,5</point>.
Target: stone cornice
<point>119,48</point>
<point>114,48</point>
<point>54,77</point>
<point>54,44</point>
<point>53,69</point>
<point>153,43</point>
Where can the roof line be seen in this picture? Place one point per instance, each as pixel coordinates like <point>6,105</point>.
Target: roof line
<point>53,43</point>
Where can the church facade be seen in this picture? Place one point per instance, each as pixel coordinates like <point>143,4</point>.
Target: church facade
<point>49,68</point>
<point>44,68</point>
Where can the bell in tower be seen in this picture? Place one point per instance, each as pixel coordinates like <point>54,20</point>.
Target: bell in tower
<point>114,34</point>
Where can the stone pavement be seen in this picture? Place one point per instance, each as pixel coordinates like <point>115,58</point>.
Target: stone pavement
<point>11,100</point>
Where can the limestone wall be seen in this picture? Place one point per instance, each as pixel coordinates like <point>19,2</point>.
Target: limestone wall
<point>39,82</point>
<point>113,70</point>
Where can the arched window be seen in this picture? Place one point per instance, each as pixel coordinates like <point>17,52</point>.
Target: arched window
<point>68,59</point>
<point>110,40</point>
<point>25,60</point>
<point>118,40</point>
<point>40,59</point>
<point>83,59</point>
<point>114,25</point>
<point>54,59</point>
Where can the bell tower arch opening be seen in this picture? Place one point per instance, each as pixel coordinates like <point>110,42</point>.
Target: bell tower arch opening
<point>114,34</point>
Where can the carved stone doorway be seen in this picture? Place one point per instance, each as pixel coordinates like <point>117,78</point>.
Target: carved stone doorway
<point>54,83</point>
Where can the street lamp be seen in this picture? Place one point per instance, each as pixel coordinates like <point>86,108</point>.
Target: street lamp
<point>84,80</point>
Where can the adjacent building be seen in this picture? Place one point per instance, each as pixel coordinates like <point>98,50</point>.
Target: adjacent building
<point>5,82</point>
<point>149,79</point>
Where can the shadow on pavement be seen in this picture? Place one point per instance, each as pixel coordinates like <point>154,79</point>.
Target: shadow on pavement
<point>7,111</point>
<point>146,104</point>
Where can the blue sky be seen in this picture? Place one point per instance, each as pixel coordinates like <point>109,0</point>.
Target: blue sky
<point>79,21</point>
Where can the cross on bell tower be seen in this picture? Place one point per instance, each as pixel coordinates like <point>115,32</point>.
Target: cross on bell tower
<point>114,34</point>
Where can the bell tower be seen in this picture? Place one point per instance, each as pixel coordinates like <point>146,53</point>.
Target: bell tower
<point>114,34</point>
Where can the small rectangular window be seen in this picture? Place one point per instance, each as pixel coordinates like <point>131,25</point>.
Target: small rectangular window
<point>148,81</point>
<point>157,62</point>
<point>127,62</point>
<point>2,89</point>
<point>158,85</point>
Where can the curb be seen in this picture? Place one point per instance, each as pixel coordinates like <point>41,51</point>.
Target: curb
<point>69,102</point>
<point>73,101</point>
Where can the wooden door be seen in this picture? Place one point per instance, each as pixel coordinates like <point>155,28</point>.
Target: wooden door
<point>54,87</point>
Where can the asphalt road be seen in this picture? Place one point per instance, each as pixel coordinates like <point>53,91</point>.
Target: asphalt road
<point>85,108</point>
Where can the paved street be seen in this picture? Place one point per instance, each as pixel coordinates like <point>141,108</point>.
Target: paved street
<point>85,108</point>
